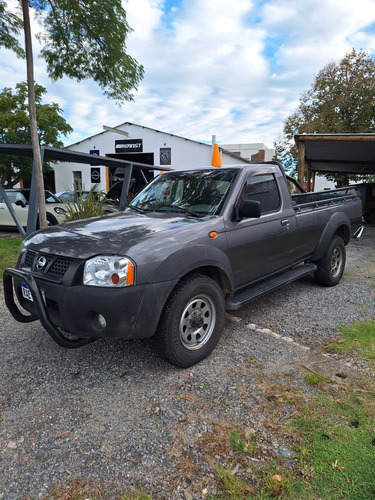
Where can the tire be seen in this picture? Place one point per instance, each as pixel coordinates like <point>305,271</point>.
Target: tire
<point>51,220</point>
<point>191,322</point>
<point>331,267</point>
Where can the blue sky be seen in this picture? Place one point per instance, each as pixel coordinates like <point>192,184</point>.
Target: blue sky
<point>230,68</point>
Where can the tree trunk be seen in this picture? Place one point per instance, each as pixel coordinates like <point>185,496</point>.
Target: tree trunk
<point>38,167</point>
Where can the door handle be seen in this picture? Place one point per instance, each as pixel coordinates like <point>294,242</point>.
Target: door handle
<point>285,222</point>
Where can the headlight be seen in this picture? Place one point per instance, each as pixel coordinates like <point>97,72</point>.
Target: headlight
<point>108,271</point>
<point>60,210</point>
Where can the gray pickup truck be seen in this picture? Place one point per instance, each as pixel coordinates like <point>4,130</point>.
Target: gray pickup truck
<point>189,246</point>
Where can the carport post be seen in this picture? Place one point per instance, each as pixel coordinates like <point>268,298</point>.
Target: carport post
<point>301,160</point>
<point>128,170</point>
<point>32,216</point>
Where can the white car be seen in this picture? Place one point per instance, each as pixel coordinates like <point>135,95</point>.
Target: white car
<point>20,202</point>
<point>73,196</point>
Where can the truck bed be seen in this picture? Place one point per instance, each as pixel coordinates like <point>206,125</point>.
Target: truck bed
<point>324,196</point>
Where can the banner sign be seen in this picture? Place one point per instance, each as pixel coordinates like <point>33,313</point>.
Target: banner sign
<point>129,146</point>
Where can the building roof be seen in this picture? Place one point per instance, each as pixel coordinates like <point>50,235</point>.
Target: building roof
<point>129,124</point>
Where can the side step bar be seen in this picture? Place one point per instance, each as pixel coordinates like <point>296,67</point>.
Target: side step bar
<point>253,292</point>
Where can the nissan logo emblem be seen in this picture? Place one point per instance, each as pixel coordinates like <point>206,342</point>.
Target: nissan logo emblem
<point>42,261</point>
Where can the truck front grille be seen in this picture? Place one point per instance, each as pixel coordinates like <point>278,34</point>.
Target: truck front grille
<point>48,265</point>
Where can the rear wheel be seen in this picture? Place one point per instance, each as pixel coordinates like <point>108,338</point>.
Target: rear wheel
<point>331,267</point>
<point>192,321</point>
<point>51,220</point>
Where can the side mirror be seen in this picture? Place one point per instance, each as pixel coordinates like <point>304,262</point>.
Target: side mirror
<point>249,209</point>
<point>20,203</point>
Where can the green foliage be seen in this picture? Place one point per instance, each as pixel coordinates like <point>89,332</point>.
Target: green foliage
<point>245,443</point>
<point>234,488</point>
<point>85,207</point>
<point>88,40</point>
<point>137,495</point>
<point>315,378</point>
<point>238,443</point>
<point>286,153</point>
<point>10,25</point>
<point>339,437</point>
<point>15,129</point>
<point>340,100</point>
<point>81,40</point>
<point>358,337</point>
<point>9,251</point>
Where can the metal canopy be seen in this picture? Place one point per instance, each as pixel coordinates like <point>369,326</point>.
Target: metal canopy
<point>66,156</point>
<point>335,153</point>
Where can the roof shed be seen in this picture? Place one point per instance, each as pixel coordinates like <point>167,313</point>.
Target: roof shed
<point>335,153</point>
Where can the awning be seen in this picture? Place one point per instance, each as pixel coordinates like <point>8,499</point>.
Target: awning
<point>335,153</point>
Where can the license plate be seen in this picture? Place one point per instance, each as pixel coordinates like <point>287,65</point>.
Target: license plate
<point>26,293</point>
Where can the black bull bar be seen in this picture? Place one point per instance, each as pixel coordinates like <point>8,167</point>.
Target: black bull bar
<point>40,307</point>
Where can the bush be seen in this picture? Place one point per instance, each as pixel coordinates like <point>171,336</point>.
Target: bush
<point>84,207</point>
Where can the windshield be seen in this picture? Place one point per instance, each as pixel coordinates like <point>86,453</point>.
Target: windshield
<point>50,198</point>
<point>195,192</point>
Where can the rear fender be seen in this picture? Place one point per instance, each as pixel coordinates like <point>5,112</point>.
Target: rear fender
<point>339,224</point>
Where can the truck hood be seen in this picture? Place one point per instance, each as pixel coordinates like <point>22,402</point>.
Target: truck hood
<point>112,234</point>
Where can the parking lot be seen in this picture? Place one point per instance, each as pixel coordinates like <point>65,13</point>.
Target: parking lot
<point>113,413</point>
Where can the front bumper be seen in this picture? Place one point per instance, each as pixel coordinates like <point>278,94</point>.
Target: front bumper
<point>131,312</point>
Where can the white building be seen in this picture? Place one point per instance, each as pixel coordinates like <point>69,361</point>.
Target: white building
<point>251,152</point>
<point>140,144</point>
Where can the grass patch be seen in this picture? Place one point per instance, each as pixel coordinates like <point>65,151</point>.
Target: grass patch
<point>245,442</point>
<point>9,251</point>
<point>78,489</point>
<point>315,378</point>
<point>233,487</point>
<point>330,437</point>
<point>337,448</point>
<point>358,338</point>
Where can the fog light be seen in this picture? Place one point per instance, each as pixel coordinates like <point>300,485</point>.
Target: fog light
<point>101,320</point>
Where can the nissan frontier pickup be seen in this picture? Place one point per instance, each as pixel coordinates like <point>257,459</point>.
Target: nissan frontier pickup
<point>191,245</point>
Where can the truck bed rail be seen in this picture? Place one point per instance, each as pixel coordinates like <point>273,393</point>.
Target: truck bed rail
<point>324,196</point>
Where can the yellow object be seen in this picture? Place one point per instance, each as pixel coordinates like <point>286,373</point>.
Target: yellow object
<point>216,158</point>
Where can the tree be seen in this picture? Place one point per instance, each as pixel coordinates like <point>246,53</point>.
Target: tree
<point>15,129</point>
<point>341,100</point>
<point>10,25</point>
<point>82,39</point>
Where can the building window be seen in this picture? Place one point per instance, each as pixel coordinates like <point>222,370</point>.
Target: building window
<point>77,180</point>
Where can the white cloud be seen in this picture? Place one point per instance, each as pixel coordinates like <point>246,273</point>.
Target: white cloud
<point>235,69</point>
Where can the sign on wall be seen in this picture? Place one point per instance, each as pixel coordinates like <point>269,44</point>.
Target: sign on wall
<point>95,175</point>
<point>129,146</point>
<point>165,156</point>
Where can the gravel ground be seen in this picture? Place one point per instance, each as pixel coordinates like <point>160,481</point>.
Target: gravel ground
<point>116,415</point>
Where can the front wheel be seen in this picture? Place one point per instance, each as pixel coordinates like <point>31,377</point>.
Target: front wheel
<point>331,267</point>
<point>192,321</point>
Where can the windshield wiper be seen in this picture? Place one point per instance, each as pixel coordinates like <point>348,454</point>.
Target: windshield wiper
<point>136,209</point>
<point>184,210</point>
